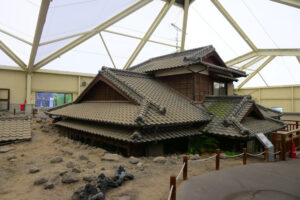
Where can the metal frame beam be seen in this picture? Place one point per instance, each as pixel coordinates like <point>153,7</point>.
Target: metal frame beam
<point>38,32</point>
<point>12,55</point>
<point>241,58</point>
<point>148,34</point>
<point>252,62</point>
<point>107,50</point>
<point>298,58</point>
<point>234,24</point>
<point>14,36</point>
<point>184,23</point>
<point>91,33</point>
<point>293,3</point>
<point>278,52</point>
<point>263,79</point>
<point>255,72</point>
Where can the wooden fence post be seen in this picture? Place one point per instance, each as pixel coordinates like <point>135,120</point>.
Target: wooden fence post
<point>218,159</point>
<point>266,154</point>
<point>185,161</point>
<point>283,145</point>
<point>173,183</point>
<point>274,143</point>
<point>244,156</point>
<point>14,111</point>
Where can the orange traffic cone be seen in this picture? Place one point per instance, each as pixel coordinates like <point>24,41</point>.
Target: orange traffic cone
<point>293,152</point>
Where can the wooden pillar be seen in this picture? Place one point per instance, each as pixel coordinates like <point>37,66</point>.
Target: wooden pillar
<point>173,183</point>
<point>283,144</point>
<point>218,159</point>
<point>274,143</point>
<point>14,111</point>
<point>266,154</point>
<point>244,156</point>
<point>185,161</point>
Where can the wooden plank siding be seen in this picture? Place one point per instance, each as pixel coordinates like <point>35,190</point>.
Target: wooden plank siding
<point>103,92</point>
<point>195,86</point>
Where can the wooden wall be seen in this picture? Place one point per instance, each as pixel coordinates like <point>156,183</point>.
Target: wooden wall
<point>195,86</point>
<point>103,92</point>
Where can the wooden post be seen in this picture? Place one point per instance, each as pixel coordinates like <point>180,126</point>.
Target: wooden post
<point>218,159</point>
<point>244,156</point>
<point>173,183</point>
<point>283,144</point>
<point>266,154</point>
<point>274,143</point>
<point>185,160</point>
<point>14,111</point>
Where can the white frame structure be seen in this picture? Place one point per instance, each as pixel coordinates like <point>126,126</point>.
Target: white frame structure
<point>255,55</point>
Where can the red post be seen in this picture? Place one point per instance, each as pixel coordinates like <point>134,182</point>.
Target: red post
<point>244,156</point>
<point>173,183</point>
<point>266,154</point>
<point>218,159</point>
<point>185,161</point>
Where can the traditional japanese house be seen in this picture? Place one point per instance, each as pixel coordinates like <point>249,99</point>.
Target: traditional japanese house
<point>162,99</point>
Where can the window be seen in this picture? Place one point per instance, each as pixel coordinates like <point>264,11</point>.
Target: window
<point>277,109</point>
<point>48,100</point>
<point>219,89</point>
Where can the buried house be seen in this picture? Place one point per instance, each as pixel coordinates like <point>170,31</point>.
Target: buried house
<point>162,99</point>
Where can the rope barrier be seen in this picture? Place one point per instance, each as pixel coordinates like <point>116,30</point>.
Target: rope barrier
<point>205,159</point>
<point>226,156</point>
<point>275,153</point>
<point>180,171</point>
<point>256,155</point>
<point>170,194</point>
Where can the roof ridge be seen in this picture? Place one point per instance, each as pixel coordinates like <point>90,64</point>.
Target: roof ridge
<point>127,73</point>
<point>169,55</point>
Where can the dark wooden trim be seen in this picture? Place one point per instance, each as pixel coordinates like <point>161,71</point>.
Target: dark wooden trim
<point>8,97</point>
<point>215,55</point>
<point>98,78</point>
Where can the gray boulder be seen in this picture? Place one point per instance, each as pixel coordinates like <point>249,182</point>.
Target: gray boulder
<point>133,160</point>
<point>160,159</point>
<point>111,157</point>
<point>69,178</point>
<point>40,181</point>
<point>56,160</point>
<point>34,170</point>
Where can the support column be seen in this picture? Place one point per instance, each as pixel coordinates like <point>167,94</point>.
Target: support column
<point>28,105</point>
<point>78,91</point>
<point>184,23</point>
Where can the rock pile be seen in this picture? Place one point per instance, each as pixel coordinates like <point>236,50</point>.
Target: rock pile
<point>96,190</point>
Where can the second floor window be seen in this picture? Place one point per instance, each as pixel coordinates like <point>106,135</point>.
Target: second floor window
<point>219,89</point>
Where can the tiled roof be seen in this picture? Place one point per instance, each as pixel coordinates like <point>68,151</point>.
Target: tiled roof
<point>269,112</point>
<point>158,104</point>
<point>228,115</point>
<point>15,128</point>
<point>185,58</point>
<point>128,134</point>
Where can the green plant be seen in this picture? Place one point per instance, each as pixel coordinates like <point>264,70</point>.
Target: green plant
<point>230,153</point>
<point>203,144</point>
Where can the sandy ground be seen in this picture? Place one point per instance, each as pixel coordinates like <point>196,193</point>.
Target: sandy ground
<point>149,184</point>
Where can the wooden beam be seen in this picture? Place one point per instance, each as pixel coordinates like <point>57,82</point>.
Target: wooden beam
<point>255,72</point>
<point>293,3</point>
<point>252,62</point>
<point>91,33</point>
<point>38,32</point>
<point>12,55</point>
<point>234,24</point>
<point>148,34</point>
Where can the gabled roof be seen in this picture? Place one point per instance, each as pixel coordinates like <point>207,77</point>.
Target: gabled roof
<point>238,116</point>
<point>156,104</point>
<point>185,58</point>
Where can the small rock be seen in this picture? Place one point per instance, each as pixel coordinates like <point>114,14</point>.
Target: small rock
<point>195,157</point>
<point>45,130</point>
<point>111,157</point>
<point>34,170</point>
<point>40,181</point>
<point>102,168</point>
<point>90,165</point>
<point>83,157</point>
<point>76,169</point>
<point>63,172</point>
<point>39,121</point>
<point>160,159</point>
<point>56,160</point>
<point>11,157</point>
<point>69,178</point>
<point>6,150</point>
<point>89,178</point>
<point>70,164</point>
<point>98,196</point>
<point>140,166</point>
<point>66,152</point>
<point>133,160</point>
<point>48,186</point>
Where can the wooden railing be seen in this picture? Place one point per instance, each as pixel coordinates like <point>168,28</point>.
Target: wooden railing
<point>282,141</point>
<point>291,125</point>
